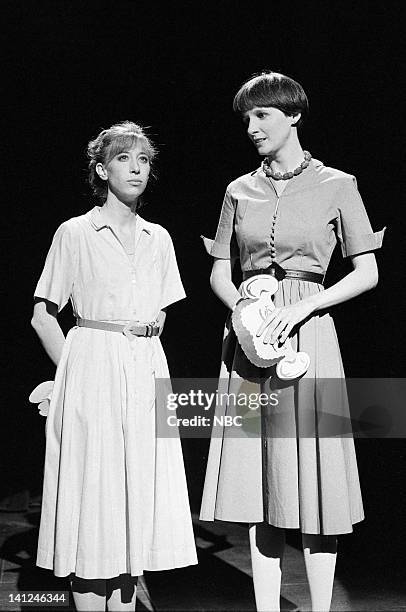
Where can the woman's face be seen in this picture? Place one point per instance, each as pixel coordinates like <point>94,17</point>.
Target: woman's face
<point>268,128</point>
<point>127,173</point>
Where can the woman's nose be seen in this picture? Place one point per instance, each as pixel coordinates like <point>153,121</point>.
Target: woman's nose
<point>251,127</point>
<point>134,167</point>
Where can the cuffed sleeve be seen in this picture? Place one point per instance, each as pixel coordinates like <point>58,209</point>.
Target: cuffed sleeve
<point>208,244</point>
<point>172,288</point>
<point>224,246</point>
<point>58,276</point>
<point>353,228</point>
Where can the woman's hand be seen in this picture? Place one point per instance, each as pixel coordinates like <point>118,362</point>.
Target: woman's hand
<point>279,322</point>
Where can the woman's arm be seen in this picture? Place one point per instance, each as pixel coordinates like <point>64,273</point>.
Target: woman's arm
<point>281,321</point>
<point>222,284</point>
<point>363,277</point>
<point>160,320</point>
<point>46,325</point>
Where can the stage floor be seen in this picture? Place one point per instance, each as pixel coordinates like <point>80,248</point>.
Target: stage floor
<point>221,581</point>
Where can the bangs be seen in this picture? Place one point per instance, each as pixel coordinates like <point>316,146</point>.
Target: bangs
<point>126,142</point>
<point>272,89</point>
<point>110,142</point>
<point>256,94</point>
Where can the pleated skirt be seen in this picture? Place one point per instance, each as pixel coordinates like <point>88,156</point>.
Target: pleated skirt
<point>114,499</point>
<point>292,464</point>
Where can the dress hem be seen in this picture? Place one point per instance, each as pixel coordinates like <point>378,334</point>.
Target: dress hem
<point>336,531</point>
<point>125,570</point>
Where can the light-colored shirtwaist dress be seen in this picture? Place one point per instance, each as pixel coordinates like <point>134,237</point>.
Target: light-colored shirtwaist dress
<point>115,499</point>
<point>285,474</point>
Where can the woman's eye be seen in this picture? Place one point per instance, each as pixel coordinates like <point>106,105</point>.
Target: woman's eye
<point>144,159</point>
<point>122,157</point>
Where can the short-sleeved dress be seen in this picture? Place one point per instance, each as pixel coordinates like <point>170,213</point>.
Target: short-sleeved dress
<point>115,499</point>
<point>287,475</point>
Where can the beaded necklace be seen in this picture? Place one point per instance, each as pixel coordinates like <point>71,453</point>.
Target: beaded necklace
<point>278,176</point>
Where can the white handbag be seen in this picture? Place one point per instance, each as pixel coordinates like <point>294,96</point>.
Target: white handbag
<point>41,395</point>
<point>247,317</point>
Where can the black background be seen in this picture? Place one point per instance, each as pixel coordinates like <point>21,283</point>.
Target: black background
<point>73,68</point>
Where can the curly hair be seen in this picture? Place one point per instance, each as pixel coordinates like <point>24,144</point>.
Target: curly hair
<point>109,143</point>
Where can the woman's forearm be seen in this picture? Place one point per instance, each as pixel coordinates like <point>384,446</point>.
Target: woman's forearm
<point>50,335</point>
<point>355,283</point>
<point>160,320</point>
<point>225,290</point>
<point>279,322</point>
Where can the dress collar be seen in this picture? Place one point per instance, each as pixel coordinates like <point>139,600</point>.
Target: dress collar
<point>98,220</point>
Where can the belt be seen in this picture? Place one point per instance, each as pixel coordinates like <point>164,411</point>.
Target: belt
<point>313,277</point>
<point>129,329</point>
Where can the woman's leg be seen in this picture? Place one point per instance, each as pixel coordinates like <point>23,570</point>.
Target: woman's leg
<point>122,593</point>
<point>320,553</point>
<point>267,545</point>
<point>88,594</point>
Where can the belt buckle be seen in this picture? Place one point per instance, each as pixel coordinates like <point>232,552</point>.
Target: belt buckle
<point>155,329</point>
<point>128,330</point>
<point>276,271</point>
<point>152,330</point>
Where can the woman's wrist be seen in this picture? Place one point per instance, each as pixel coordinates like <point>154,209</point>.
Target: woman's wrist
<point>314,302</point>
<point>240,299</point>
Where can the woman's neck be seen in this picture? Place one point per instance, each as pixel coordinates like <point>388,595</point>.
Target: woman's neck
<point>288,158</point>
<point>119,213</point>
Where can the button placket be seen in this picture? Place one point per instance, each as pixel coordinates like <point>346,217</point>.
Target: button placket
<point>133,281</point>
<point>272,247</point>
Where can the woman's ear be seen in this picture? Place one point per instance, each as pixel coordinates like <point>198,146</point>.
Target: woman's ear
<point>295,119</point>
<point>101,171</point>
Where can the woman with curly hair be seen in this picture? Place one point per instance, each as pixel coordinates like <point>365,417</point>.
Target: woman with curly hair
<point>115,501</point>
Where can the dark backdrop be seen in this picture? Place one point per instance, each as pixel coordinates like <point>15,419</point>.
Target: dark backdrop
<point>75,67</point>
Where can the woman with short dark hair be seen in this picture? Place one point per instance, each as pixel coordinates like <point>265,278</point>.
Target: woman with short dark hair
<point>115,501</point>
<point>283,220</point>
